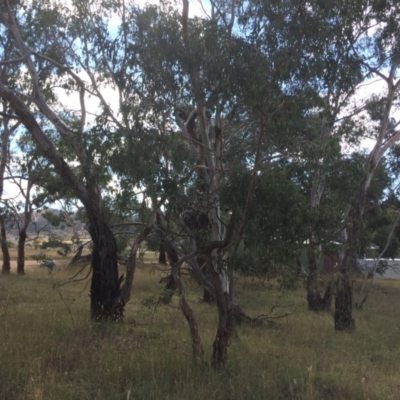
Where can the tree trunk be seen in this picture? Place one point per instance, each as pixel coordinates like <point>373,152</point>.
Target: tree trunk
<point>314,298</point>
<point>105,285</point>
<point>189,316</point>
<point>208,296</point>
<point>173,259</point>
<point>225,315</point>
<point>174,282</point>
<point>5,137</point>
<point>162,257</point>
<point>224,331</point>
<point>21,253</point>
<point>125,292</point>
<point>6,268</point>
<point>343,303</point>
<point>171,284</point>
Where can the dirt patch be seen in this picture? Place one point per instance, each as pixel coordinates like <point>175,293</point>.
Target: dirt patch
<point>33,265</point>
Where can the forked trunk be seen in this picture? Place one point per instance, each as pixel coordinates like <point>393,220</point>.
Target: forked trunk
<point>21,253</point>
<point>6,268</point>
<point>105,285</point>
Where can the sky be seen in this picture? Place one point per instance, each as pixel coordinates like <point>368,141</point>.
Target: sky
<point>374,86</point>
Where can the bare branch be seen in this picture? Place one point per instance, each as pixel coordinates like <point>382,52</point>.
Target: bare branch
<point>14,61</point>
<point>392,140</point>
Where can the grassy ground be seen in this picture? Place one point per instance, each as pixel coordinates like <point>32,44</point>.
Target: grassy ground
<point>47,355</point>
<point>31,250</point>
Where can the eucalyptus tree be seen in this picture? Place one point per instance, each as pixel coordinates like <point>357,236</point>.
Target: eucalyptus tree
<point>8,75</point>
<point>25,185</point>
<point>378,48</point>
<point>36,185</point>
<point>69,49</point>
<point>323,67</point>
<point>5,141</point>
<point>223,99</point>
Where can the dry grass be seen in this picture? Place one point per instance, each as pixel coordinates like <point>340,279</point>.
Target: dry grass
<point>30,251</point>
<point>149,356</point>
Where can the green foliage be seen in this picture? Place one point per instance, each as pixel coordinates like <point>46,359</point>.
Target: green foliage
<point>54,242</point>
<point>288,278</point>
<point>338,282</point>
<point>54,219</point>
<point>122,242</point>
<point>153,242</point>
<point>45,262</point>
<point>149,302</point>
<point>166,296</point>
<point>276,227</point>
<point>380,238</point>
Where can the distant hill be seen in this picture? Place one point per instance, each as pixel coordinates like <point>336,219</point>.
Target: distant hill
<point>47,222</point>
